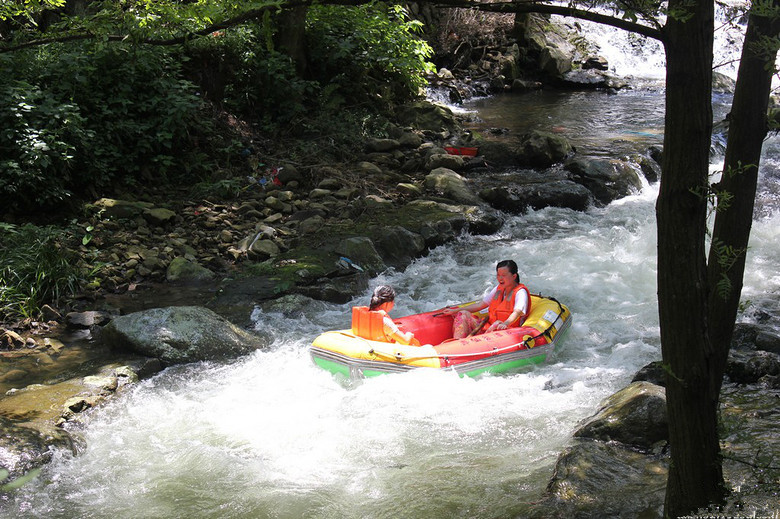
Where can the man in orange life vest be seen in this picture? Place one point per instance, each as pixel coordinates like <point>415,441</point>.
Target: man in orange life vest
<point>508,304</point>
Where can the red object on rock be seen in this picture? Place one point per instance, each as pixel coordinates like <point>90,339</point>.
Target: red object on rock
<point>460,150</point>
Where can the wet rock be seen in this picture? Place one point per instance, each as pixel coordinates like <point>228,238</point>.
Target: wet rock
<point>517,199</point>
<point>521,85</point>
<point>183,270</point>
<point>178,335</point>
<point>23,449</point>
<point>595,479</point>
<point>425,115</point>
<point>361,250</point>
<point>768,341</point>
<point>86,320</point>
<point>542,150</point>
<point>748,367</point>
<point>450,185</point>
<point>635,415</point>
<point>290,305</point>
<point>596,62</point>
<point>398,246</point>
<point>337,290</point>
<point>607,179</point>
<point>653,373</point>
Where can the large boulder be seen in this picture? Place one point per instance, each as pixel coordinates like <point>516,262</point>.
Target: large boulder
<point>635,416</point>
<point>516,199</point>
<point>182,334</point>
<point>399,246</point>
<point>450,185</point>
<point>607,179</point>
<point>360,250</point>
<point>183,270</point>
<point>542,150</point>
<point>424,115</point>
<point>595,479</point>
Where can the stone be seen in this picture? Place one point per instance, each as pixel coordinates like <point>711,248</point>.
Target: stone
<point>595,479</point>
<point>183,270</point>
<point>368,168</point>
<point>84,320</point>
<point>542,149</point>
<point>288,174</point>
<point>635,416</point>
<point>311,225</point>
<point>119,209</point>
<point>10,340</point>
<point>361,250</point>
<point>444,160</point>
<point>382,145</point>
<point>50,314</point>
<point>180,334</point>
<point>398,246</point>
<point>607,179</point>
<point>449,184</point>
<point>159,216</point>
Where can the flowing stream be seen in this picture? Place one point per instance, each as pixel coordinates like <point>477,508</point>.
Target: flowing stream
<point>272,435</point>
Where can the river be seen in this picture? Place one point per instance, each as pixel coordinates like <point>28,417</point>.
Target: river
<point>271,435</point>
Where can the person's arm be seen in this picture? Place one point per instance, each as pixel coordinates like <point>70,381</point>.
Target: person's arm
<point>476,306</point>
<point>392,331</point>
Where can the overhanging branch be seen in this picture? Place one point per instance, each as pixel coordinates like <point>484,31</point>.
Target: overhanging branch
<point>497,7</point>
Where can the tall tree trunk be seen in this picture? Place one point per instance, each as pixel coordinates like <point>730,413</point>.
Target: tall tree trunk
<point>695,475</point>
<point>291,36</point>
<point>747,128</point>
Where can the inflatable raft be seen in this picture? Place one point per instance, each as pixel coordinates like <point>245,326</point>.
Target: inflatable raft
<point>346,353</point>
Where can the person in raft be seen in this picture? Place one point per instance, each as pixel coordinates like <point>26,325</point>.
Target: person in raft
<point>508,305</point>
<point>383,300</point>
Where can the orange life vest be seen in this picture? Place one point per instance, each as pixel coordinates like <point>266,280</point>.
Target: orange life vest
<point>369,324</point>
<point>502,307</point>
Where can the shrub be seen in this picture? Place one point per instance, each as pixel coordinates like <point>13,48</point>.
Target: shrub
<point>36,267</point>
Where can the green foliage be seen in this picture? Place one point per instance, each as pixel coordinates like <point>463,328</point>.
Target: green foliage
<point>36,267</point>
<point>368,49</point>
<point>38,137</point>
<point>727,256</point>
<point>85,118</point>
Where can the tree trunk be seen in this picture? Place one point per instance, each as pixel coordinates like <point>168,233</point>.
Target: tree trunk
<point>747,128</point>
<point>695,475</point>
<point>291,36</point>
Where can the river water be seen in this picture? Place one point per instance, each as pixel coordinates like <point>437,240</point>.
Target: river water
<point>271,435</point>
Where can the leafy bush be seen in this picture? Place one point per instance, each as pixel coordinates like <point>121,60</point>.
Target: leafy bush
<point>35,268</point>
<point>38,138</point>
<point>88,118</point>
<point>368,49</point>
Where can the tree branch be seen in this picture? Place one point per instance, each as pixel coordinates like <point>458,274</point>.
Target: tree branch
<point>534,7</point>
<point>499,7</point>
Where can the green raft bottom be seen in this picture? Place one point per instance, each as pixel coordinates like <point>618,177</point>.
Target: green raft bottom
<point>338,368</point>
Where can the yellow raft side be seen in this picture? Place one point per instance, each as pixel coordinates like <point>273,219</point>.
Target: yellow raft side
<point>544,312</point>
<point>345,343</point>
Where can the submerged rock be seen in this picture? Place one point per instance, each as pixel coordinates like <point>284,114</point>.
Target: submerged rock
<point>177,335</point>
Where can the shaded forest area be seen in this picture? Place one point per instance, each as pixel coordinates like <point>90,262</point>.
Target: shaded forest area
<point>91,117</point>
